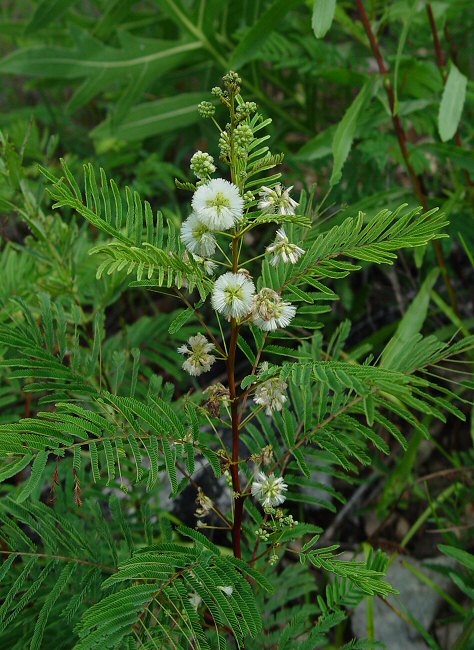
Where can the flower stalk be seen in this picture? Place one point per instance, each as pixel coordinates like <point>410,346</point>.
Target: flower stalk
<point>223,207</point>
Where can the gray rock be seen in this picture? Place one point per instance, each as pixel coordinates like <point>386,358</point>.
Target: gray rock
<point>414,596</point>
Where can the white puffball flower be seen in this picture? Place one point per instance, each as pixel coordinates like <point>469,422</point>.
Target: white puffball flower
<point>270,311</point>
<point>283,250</point>
<point>194,599</point>
<point>197,350</point>
<point>227,590</point>
<point>270,394</point>
<point>218,204</point>
<point>269,489</point>
<point>197,237</point>
<point>276,200</point>
<point>233,295</point>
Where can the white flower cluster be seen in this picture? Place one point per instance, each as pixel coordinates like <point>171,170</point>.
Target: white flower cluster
<point>276,200</point>
<point>269,490</point>
<point>217,206</point>
<point>197,237</point>
<point>283,250</point>
<point>234,296</point>
<point>271,394</point>
<point>197,350</point>
<point>270,311</point>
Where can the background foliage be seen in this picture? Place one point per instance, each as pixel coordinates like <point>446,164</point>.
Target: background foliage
<point>115,84</point>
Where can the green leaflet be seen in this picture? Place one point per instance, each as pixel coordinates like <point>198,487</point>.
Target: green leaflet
<point>323,15</point>
<point>251,44</point>
<point>13,468</point>
<point>369,580</point>
<point>138,61</point>
<point>46,12</point>
<point>346,129</point>
<point>410,324</point>
<point>33,482</point>
<point>464,558</point>
<point>407,21</point>
<point>54,594</point>
<point>452,103</point>
<point>181,319</point>
<point>150,119</point>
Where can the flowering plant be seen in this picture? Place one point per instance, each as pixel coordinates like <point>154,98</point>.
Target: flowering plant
<point>251,265</point>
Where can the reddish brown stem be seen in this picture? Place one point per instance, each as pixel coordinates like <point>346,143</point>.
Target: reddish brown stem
<point>234,468</point>
<point>416,181</point>
<point>437,44</point>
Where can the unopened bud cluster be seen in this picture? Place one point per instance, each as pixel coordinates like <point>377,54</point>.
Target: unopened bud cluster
<point>202,164</point>
<point>206,109</point>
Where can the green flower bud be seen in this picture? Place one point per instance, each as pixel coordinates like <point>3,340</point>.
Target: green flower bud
<point>273,559</point>
<point>224,145</point>
<point>232,82</point>
<point>243,135</point>
<point>206,109</point>
<point>202,164</point>
<point>246,109</point>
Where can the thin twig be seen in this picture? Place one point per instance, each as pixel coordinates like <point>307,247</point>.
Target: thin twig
<point>66,558</point>
<point>416,181</point>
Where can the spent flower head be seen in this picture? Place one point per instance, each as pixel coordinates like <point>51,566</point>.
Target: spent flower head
<point>270,311</point>
<point>218,204</point>
<point>217,394</point>
<point>269,490</point>
<point>233,295</point>
<point>205,504</point>
<point>271,395</point>
<point>197,350</point>
<point>276,200</point>
<point>283,250</point>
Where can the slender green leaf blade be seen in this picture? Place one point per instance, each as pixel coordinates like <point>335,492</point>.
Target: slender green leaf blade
<point>323,15</point>
<point>346,129</point>
<point>152,118</point>
<point>253,41</point>
<point>452,103</point>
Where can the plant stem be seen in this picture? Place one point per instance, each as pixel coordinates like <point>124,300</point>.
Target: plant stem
<point>402,141</point>
<point>234,468</point>
<point>65,558</point>
<point>234,405</point>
